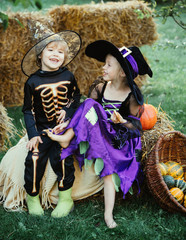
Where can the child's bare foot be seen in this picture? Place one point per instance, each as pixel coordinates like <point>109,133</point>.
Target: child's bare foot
<point>64,143</point>
<point>113,224</point>
<point>110,222</point>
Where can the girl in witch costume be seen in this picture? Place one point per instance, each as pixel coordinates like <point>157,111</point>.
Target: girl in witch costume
<point>51,96</point>
<point>106,128</point>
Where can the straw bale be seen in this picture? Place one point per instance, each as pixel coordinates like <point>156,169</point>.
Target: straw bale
<point>150,137</point>
<point>7,129</point>
<point>14,43</point>
<point>115,22</point>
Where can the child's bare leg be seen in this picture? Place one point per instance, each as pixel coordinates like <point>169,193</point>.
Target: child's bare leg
<point>109,199</point>
<point>64,139</point>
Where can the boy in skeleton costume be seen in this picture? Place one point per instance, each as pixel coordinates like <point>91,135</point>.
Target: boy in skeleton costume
<point>51,96</point>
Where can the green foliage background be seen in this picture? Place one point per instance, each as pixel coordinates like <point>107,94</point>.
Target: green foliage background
<point>167,60</point>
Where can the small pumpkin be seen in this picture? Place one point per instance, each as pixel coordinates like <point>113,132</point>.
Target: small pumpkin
<point>170,181</point>
<point>181,184</point>
<point>155,109</point>
<point>184,201</point>
<point>163,168</point>
<point>174,169</point>
<point>149,117</point>
<point>177,194</point>
<point>170,163</point>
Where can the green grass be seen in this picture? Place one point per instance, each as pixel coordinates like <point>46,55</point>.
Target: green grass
<point>139,218</point>
<point>167,60</point>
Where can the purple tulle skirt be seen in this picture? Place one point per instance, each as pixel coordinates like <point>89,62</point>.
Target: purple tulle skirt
<point>92,127</point>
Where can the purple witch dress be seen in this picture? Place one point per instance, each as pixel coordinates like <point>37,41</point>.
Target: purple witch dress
<point>110,146</point>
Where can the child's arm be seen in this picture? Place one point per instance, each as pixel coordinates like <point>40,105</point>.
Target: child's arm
<point>131,111</point>
<point>28,114</point>
<point>96,89</point>
<point>136,110</point>
<point>74,97</point>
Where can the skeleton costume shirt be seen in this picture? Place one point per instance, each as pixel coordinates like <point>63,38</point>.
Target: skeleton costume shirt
<point>46,93</point>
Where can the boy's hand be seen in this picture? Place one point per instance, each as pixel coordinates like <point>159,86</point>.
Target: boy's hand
<point>33,143</point>
<point>62,115</point>
<point>117,118</point>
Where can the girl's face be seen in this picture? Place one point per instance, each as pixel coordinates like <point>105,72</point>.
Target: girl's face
<point>53,56</point>
<point>112,69</point>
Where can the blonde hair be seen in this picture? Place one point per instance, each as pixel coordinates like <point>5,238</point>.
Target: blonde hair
<point>38,53</point>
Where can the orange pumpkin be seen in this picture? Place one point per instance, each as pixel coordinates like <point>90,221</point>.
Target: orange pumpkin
<point>149,117</point>
<point>177,194</point>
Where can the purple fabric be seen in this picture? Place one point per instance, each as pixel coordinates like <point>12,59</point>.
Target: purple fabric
<point>132,62</point>
<point>99,135</point>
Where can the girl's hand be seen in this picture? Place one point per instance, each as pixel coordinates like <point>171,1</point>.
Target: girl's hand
<point>117,118</point>
<point>59,128</point>
<point>33,143</point>
<point>62,115</point>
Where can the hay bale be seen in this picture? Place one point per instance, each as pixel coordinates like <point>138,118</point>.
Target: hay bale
<point>7,129</point>
<point>150,137</point>
<point>115,22</point>
<point>14,43</point>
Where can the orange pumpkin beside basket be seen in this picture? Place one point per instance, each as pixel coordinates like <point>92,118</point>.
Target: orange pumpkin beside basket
<point>149,117</point>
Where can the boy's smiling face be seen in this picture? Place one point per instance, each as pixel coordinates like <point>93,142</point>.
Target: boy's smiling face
<point>53,56</point>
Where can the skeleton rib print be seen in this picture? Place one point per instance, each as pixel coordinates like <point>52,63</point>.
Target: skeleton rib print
<point>54,97</point>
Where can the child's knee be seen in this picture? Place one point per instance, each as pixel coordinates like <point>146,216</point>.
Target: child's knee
<point>107,178</point>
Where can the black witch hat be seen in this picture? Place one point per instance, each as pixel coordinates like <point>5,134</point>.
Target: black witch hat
<point>43,37</point>
<point>130,59</point>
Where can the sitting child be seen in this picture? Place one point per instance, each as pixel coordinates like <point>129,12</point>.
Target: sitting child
<point>106,128</point>
<point>51,96</point>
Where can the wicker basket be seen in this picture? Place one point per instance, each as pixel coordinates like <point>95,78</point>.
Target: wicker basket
<point>171,146</point>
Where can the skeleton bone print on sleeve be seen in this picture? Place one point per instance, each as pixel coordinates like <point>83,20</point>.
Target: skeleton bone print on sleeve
<point>54,97</point>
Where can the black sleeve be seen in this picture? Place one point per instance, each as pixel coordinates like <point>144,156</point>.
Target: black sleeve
<point>74,97</point>
<point>97,88</point>
<point>131,111</point>
<point>28,114</point>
